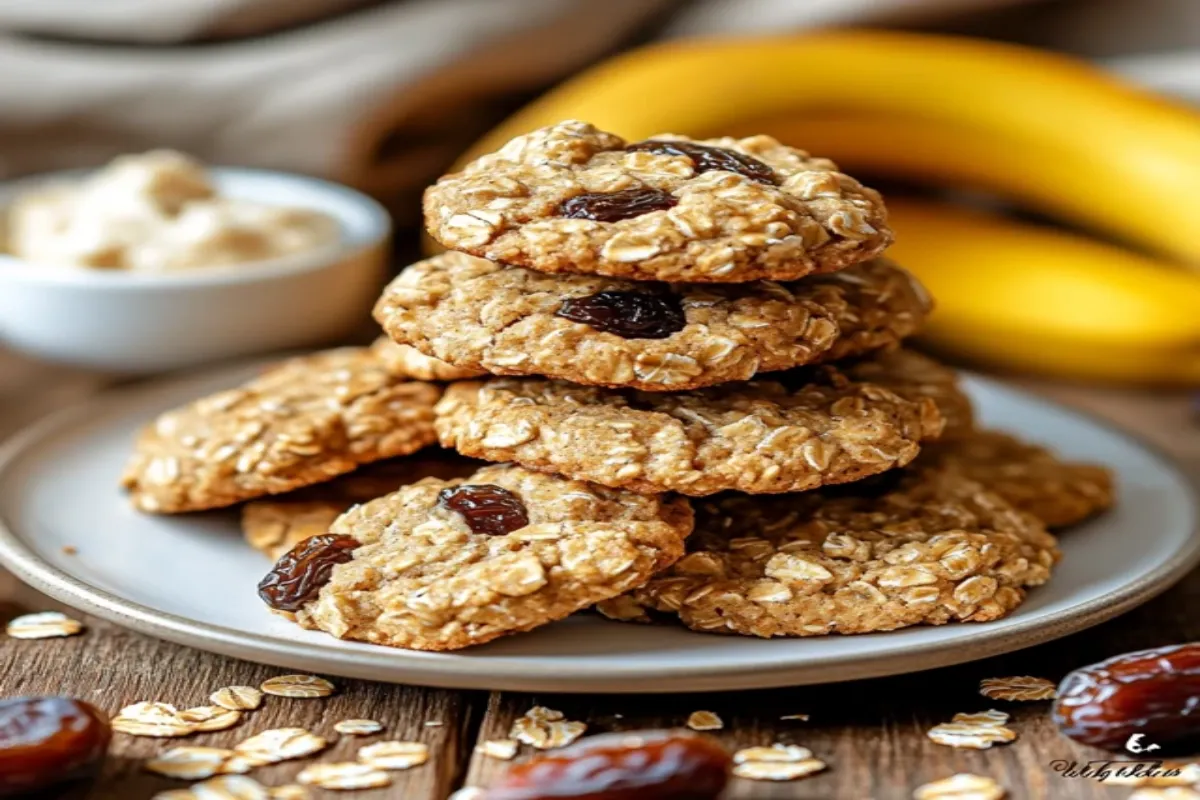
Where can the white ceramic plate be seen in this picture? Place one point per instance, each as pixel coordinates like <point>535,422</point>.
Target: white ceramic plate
<point>192,580</point>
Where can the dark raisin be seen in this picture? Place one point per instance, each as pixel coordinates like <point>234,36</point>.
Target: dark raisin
<point>487,508</point>
<point>708,158</point>
<point>1152,692</point>
<point>640,765</point>
<point>616,206</point>
<point>48,741</point>
<point>299,575</point>
<point>631,315</point>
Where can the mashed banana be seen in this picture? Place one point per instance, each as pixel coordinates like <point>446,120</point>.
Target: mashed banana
<point>156,212</point>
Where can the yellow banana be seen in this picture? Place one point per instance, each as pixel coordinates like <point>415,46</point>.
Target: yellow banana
<point>1025,297</point>
<point>1047,130</point>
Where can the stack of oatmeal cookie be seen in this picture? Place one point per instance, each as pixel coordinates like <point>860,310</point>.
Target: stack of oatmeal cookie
<point>686,356</point>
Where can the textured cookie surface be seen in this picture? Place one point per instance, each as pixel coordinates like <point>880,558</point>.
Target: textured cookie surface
<point>571,198</point>
<point>1059,493</point>
<point>303,422</point>
<point>912,374</point>
<point>811,427</point>
<point>275,525</point>
<point>425,578</point>
<point>479,315</point>
<point>918,546</point>
<point>408,362</point>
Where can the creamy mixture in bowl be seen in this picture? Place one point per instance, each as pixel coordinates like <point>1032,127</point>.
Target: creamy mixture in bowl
<point>156,212</point>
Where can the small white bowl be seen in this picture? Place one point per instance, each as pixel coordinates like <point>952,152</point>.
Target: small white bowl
<point>128,322</point>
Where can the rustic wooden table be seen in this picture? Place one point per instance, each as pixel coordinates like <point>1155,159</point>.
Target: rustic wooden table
<point>871,733</point>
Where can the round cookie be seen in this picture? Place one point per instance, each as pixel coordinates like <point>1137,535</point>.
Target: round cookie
<point>571,198</point>
<point>807,428</point>
<point>911,374</point>
<point>530,549</point>
<point>303,422</point>
<point>274,526</point>
<point>408,362</point>
<point>1030,477</point>
<point>479,315</point>
<point>917,547</point>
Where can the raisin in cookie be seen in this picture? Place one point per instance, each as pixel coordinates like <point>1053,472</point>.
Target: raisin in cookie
<point>807,428</point>
<point>571,198</point>
<point>441,565</point>
<point>917,546</point>
<point>275,525</point>
<point>306,421</point>
<point>479,315</point>
<point>1059,493</point>
<point>408,362</point>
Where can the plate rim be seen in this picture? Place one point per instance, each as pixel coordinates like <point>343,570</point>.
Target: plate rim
<point>428,669</point>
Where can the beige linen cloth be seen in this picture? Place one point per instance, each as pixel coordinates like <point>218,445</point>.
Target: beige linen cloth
<point>382,95</point>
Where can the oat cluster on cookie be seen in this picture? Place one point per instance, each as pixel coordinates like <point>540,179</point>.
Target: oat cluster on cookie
<point>647,337</point>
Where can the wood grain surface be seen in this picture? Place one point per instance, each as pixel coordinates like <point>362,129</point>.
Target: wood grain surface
<point>871,733</point>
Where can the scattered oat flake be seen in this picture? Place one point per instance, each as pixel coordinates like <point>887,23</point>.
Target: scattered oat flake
<point>779,770</point>
<point>963,786</point>
<point>151,719</point>
<point>189,763</point>
<point>545,728</point>
<point>289,791</point>
<point>394,755</point>
<point>358,727</point>
<point>1017,687</point>
<point>434,723</point>
<point>229,787</point>
<point>704,721</point>
<point>70,550</point>
<point>504,749</point>
<point>796,717</point>
<point>175,794</point>
<point>977,731</point>
<point>210,718</point>
<point>237,698</point>
<point>776,752</point>
<point>344,775</point>
<point>299,686</point>
<point>43,625</point>
<point>279,744</point>
<point>469,793</point>
<point>1167,793</point>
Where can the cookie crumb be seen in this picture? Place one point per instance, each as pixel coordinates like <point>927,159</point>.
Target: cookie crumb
<point>978,731</point>
<point>546,728</point>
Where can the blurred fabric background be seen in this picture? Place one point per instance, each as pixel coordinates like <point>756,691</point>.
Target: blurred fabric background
<point>384,95</point>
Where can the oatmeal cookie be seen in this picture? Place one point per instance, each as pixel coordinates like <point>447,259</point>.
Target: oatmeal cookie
<point>275,525</point>
<point>571,198</point>
<point>448,564</point>
<point>915,546</point>
<point>807,428</point>
<point>1030,477</point>
<point>303,422</point>
<point>408,362</point>
<point>911,374</point>
<point>480,315</point>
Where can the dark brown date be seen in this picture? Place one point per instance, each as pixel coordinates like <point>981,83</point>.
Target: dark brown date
<point>639,765</point>
<point>299,575</point>
<point>630,315</point>
<point>488,509</point>
<point>49,741</point>
<point>1152,692</point>
<point>616,206</point>
<point>708,158</point>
